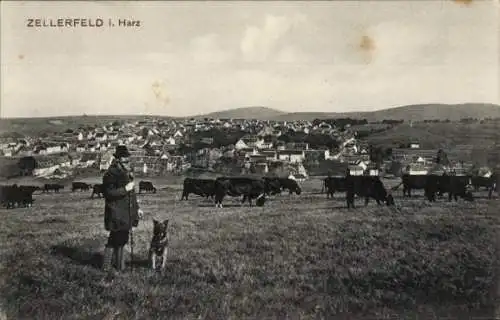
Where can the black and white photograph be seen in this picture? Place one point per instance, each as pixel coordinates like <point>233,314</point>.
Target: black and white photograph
<point>250,159</point>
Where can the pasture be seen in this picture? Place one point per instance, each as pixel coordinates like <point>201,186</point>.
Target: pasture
<point>298,257</point>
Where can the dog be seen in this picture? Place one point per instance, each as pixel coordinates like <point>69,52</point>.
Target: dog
<point>158,248</point>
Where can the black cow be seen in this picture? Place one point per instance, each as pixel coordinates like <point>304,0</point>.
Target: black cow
<point>80,186</point>
<point>333,184</point>
<point>290,185</point>
<point>20,196</point>
<point>9,196</point>
<point>455,186</point>
<point>366,187</point>
<point>490,183</point>
<point>52,186</point>
<point>97,189</point>
<point>201,187</point>
<point>249,188</point>
<point>25,195</point>
<point>146,186</point>
<point>432,186</point>
<point>412,182</point>
<point>272,185</point>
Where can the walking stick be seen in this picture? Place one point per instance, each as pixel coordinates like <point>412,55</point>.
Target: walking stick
<point>131,238</point>
<point>131,231</point>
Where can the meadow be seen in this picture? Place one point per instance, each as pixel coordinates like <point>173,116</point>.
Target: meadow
<point>298,257</point>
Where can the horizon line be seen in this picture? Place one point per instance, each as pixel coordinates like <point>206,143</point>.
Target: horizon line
<point>248,107</point>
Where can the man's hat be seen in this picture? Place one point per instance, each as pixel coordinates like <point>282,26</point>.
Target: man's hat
<point>121,152</point>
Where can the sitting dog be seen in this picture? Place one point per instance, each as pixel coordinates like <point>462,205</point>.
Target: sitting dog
<point>159,244</point>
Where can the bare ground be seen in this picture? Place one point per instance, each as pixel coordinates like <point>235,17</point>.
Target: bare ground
<point>297,257</point>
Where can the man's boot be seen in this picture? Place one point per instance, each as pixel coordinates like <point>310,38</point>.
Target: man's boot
<point>120,259</point>
<point>107,259</point>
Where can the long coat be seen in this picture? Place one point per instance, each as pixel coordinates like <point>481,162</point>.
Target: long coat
<point>121,207</point>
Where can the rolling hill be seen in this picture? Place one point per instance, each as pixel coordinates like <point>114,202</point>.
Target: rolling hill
<point>260,113</point>
<point>410,112</point>
<point>33,126</point>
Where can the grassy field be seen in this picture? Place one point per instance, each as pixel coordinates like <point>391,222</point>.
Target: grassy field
<point>298,257</point>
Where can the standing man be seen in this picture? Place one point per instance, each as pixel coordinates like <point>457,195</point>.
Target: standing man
<point>121,212</point>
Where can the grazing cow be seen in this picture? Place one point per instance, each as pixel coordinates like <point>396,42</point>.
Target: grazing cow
<point>8,195</point>
<point>273,185</point>
<point>490,183</point>
<point>201,187</point>
<point>332,184</point>
<point>97,189</point>
<point>52,186</point>
<point>367,187</point>
<point>146,186</point>
<point>20,196</point>
<point>249,188</point>
<point>412,182</point>
<point>80,186</point>
<point>455,186</point>
<point>290,185</point>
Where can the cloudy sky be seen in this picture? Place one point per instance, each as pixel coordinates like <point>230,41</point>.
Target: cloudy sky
<point>195,57</point>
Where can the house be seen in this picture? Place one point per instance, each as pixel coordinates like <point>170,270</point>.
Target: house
<point>246,153</point>
<point>266,144</point>
<point>250,142</point>
<point>416,169</point>
<point>112,135</point>
<point>50,148</point>
<point>46,166</point>
<point>257,158</point>
<point>270,155</point>
<point>418,159</point>
<point>293,156</point>
<point>240,144</point>
<point>372,170</point>
<point>101,136</point>
<point>178,134</point>
<point>355,170</point>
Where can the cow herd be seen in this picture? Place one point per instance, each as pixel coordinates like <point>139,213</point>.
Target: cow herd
<point>248,188</point>
<point>14,196</point>
<point>260,188</point>
<point>455,186</point>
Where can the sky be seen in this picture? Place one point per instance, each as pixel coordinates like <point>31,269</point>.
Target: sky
<point>190,58</point>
